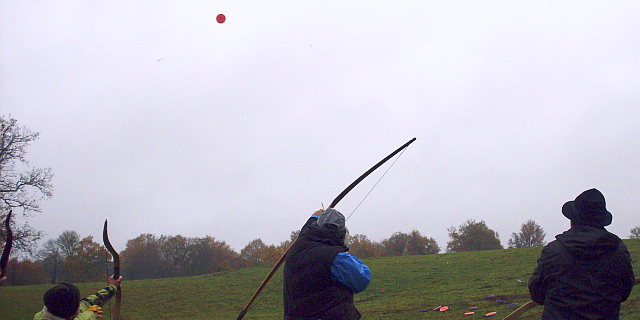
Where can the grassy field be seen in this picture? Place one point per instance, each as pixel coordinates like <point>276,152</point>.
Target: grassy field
<point>400,288</point>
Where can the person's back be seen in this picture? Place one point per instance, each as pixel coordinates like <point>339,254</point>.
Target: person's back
<point>320,278</point>
<point>586,272</point>
<point>309,289</point>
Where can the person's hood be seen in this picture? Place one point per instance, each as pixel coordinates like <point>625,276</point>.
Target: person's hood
<point>586,242</point>
<point>324,235</point>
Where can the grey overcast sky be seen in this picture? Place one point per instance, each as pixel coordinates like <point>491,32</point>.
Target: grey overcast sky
<point>160,119</point>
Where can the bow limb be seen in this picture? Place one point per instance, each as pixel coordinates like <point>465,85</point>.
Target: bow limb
<point>520,311</point>
<point>7,246</point>
<point>116,270</point>
<point>364,175</point>
<point>333,204</point>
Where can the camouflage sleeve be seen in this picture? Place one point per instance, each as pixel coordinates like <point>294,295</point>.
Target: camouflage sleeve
<point>99,298</point>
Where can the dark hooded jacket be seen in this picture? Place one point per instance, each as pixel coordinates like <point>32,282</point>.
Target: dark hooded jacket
<point>309,292</point>
<point>584,274</point>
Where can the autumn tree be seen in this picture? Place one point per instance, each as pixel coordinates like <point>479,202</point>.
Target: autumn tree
<point>635,233</point>
<point>173,251</point>
<point>421,245</point>
<point>251,252</point>
<point>361,246</point>
<point>282,248</point>
<point>472,236</point>
<point>271,253</point>
<point>394,245</point>
<point>24,272</point>
<point>142,258</point>
<point>22,187</point>
<point>86,262</point>
<point>207,255</point>
<point>400,244</point>
<point>150,257</point>
<point>69,258</point>
<point>257,252</point>
<point>530,235</point>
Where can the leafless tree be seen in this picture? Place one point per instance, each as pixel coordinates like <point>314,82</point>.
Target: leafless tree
<point>52,261</point>
<point>635,233</point>
<point>21,186</point>
<point>67,242</point>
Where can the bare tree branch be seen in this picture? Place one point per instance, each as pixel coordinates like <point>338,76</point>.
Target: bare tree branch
<point>21,186</point>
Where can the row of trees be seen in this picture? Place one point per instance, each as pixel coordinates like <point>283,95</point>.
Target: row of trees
<point>66,258</point>
<point>70,258</point>
<point>475,236</point>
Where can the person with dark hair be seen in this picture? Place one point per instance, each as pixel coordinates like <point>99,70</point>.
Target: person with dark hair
<point>320,277</point>
<point>62,302</point>
<point>586,272</point>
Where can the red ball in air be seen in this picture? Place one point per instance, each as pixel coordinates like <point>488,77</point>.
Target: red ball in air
<point>221,18</point>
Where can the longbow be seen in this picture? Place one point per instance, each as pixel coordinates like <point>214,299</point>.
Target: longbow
<point>7,246</point>
<point>333,204</point>
<point>116,270</point>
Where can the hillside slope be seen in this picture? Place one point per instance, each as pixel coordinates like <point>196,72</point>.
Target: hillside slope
<point>400,288</point>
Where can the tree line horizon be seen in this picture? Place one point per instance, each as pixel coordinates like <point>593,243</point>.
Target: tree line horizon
<point>74,259</point>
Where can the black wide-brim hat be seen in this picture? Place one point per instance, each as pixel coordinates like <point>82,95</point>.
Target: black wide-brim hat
<point>588,209</point>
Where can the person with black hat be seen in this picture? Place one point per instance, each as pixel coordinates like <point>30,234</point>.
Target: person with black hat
<point>586,272</point>
<point>320,277</point>
<point>62,302</point>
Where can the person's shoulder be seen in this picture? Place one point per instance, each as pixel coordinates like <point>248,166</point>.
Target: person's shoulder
<point>552,244</point>
<point>622,248</point>
<point>44,314</point>
<point>552,247</point>
<point>38,316</point>
<point>346,255</point>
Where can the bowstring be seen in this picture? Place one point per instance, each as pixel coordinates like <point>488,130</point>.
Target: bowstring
<point>354,210</point>
<point>365,197</point>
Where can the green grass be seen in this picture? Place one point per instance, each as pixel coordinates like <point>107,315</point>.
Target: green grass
<point>410,283</point>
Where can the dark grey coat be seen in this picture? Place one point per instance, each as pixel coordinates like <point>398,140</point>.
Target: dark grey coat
<point>584,274</point>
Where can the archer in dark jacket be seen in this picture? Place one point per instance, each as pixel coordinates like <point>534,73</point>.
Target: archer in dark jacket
<point>586,272</point>
<point>320,277</point>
